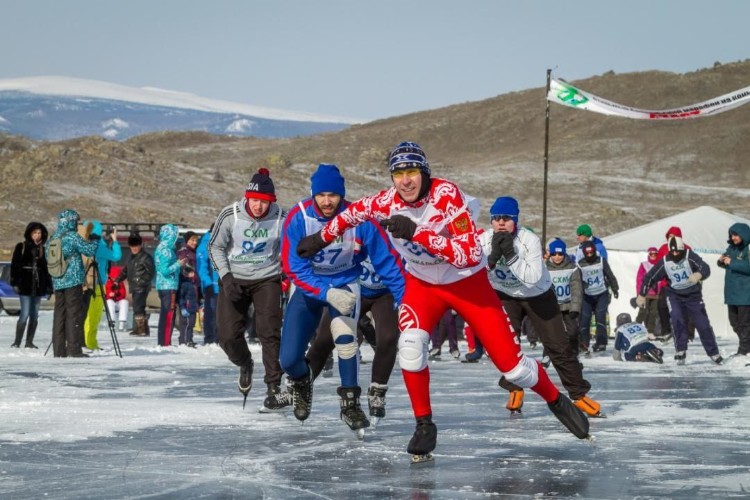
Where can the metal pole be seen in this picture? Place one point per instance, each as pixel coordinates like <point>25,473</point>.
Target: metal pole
<point>546,161</point>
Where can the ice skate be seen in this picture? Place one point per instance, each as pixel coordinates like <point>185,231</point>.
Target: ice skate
<point>434,354</point>
<point>590,407</point>
<point>351,411</point>
<point>423,441</point>
<point>515,402</point>
<point>276,400</point>
<point>456,354</point>
<point>680,357</point>
<point>716,358</point>
<point>654,355</point>
<point>245,381</point>
<point>328,367</point>
<point>376,402</point>
<point>570,416</point>
<point>473,356</point>
<point>302,394</point>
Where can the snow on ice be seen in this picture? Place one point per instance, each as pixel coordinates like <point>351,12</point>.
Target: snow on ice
<point>168,423</point>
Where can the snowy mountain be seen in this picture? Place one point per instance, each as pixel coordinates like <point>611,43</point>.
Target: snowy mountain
<point>58,108</point>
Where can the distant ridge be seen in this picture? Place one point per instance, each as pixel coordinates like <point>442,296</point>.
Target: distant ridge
<point>56,108</point>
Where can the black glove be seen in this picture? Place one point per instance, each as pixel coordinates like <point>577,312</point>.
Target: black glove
<point>615,293</point>
<point>574,315</point>
<point>502,246</point>
<point>231,288</point>
<point>633,303</point>
<point>400,226</point>
<point>310,245</point>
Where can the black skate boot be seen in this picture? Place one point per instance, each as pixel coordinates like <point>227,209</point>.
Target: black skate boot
<point>20,329</point>
<point>376,401</point>
<point>245,381</point>
<point>276,400</point>
<point>570,416</point>
<point>423,441</point>
<point>351,411</point>
<point>679,357</point>
<point>302,395</point>
<point>30,334</point>
<point>328,367</point>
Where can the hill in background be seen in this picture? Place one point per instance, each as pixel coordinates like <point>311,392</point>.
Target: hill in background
<point>609,172</point>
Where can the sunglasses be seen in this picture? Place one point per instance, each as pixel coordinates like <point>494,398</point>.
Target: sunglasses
<point>504,218</point>
<point>405,172</point>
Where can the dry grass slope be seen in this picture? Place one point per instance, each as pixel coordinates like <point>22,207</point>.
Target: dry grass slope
<point>612,173</point>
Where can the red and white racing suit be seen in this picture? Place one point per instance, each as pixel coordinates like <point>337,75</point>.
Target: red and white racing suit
<point>446,270</point>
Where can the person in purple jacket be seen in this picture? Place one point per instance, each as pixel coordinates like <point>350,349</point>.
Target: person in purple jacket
<point>330,279</point>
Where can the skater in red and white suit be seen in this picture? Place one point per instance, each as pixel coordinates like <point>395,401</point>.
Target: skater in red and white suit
<point>431,227</point>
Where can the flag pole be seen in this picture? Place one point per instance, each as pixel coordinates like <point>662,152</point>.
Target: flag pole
<point>546,162</point>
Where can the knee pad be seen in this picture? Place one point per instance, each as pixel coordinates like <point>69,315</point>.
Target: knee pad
<point>342,331</point>
<point>525,374</point>
<point>412,349</point>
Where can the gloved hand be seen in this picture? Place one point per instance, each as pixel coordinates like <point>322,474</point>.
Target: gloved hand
<point>502,246</point>
<point>184,312</point>
<point>695,277</point>
<point>400,226</point>
<point>633,303</point>
<point>231,288</point>
<point>310,245</point>
<point>615,293</point>
<point>17,290</point>
<point>640,301</point>
<point>574,315</point>
<point>343,300</point>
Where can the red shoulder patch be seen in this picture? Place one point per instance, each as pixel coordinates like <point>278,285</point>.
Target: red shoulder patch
<point>460,225</point>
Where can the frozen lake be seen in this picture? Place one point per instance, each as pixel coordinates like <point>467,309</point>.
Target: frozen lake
<point>168,423</point>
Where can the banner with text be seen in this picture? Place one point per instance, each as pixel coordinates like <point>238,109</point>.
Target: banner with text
<point>567,95</point>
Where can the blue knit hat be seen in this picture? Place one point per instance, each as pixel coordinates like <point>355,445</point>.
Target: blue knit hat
<point>408,155</point>
<point>327,179</point>
<point>505,205</point>
<point>557,246</point>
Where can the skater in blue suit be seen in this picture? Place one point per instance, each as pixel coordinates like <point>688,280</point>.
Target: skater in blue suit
<point>328,280</point>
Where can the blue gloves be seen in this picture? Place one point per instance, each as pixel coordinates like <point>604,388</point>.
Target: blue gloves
<point>184,312</point>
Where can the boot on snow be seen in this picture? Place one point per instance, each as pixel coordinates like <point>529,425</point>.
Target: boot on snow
<point>245,380</point>
<point>570,416</point>
<point>351,411</point>
<point>302,395</point>
<point>424,440</point>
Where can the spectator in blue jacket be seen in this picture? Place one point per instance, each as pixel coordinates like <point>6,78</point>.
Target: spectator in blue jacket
<point>67,321</point>
<point>328,280</point>
<point>167,281</point>
<point>210,286</point>
<point>584,234</point>
<point>736,263</point>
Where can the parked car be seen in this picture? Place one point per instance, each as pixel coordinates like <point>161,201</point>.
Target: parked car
<point>9,300</point>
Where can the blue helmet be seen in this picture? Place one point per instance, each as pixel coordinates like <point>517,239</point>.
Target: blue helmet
<point>408,155</point>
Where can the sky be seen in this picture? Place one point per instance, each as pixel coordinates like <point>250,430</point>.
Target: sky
<point>363,60</point>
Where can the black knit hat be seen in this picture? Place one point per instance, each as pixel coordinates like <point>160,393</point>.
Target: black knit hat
<point>261,186</point>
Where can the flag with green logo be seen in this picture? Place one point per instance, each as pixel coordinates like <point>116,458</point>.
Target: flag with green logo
<point>566,94</point>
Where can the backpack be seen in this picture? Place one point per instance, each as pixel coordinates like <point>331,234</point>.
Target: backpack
<point>56,263</point>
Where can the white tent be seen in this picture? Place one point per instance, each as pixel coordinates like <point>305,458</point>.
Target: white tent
<point>705,229</point>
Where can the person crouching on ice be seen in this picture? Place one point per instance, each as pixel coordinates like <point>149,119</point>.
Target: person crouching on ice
<point>431,227</point>
<point>631,342</point>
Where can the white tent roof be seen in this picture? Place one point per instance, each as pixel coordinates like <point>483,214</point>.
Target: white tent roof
<point>705,229</point>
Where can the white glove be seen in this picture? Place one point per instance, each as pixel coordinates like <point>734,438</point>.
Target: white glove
<point>343,300</point>
<point>695,278</point>
<point>640,301</point>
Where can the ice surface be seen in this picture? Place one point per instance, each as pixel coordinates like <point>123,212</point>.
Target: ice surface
<point>168,423</point>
